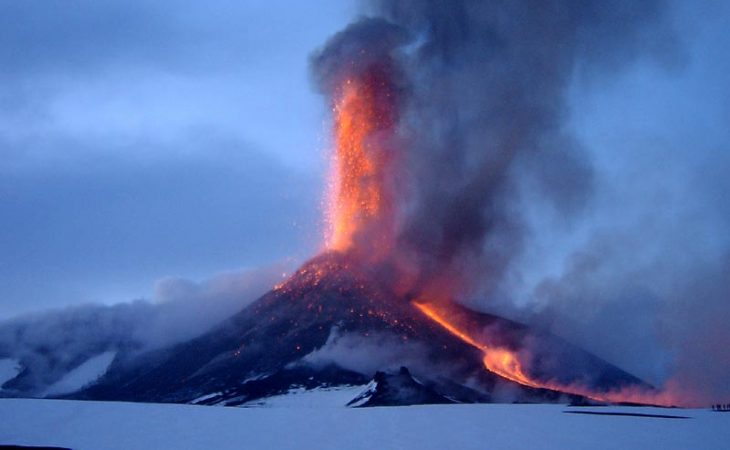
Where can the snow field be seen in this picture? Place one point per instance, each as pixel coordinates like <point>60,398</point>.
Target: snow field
<point>106,425</point>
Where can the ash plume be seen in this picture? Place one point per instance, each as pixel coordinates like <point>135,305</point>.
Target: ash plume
<point>483,103</point>
<point>485,155</point>
<point>486,123</point>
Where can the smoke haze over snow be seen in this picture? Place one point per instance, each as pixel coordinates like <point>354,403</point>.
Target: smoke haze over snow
<point>50,343</point>
<point>641,278</point>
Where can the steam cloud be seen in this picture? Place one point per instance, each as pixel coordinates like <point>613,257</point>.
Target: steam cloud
<point>49,344</point>
<point>366,356</point>
<point>487,158</point>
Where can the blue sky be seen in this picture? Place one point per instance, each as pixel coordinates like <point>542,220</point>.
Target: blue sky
<point>152,140</point>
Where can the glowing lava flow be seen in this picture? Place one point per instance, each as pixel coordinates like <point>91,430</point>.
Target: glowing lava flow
<point>357,192</point>
<point>499,360</point>
<point>507,364</point>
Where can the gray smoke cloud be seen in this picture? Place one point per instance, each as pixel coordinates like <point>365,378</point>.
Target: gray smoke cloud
<point>485,123</point>
<point>493,176</point>
<point>483,103</point>
<point>645,283</point>
<point>366,356</point>
<point>49,344</point>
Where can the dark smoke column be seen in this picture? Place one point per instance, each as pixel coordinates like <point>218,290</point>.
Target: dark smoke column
<point>482,104</point>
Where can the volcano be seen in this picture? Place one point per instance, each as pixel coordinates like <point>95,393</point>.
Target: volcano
<point>270,347</point>
<point>417,220</point>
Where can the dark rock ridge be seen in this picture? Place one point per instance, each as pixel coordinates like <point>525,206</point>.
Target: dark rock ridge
<point>398,389</point>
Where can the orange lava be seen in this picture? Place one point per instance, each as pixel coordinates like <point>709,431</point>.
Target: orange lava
<point>357,192</point>
<point>507,364</point>
<point>499,360</point>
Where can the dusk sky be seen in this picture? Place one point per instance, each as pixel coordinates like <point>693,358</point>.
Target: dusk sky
<point>148,140</point>
<point>151,140</point>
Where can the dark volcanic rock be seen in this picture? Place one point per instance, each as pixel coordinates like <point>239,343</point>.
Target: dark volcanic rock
<point>398,389</point>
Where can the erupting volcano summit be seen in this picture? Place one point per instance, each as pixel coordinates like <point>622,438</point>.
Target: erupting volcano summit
<point>332,323</point>
<point>401,251</point>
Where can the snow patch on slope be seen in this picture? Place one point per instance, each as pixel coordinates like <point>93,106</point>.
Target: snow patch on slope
<point>312,398</point>
<point>205,397</point>
<point>88,372</point>
<point>365,395</point>
<point>9,369</point>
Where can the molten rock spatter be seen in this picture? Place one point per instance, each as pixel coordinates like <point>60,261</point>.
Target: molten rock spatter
<point>359,72</point>
<point>360,197</point>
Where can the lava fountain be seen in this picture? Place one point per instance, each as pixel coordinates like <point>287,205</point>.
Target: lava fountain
<point>359,197</point>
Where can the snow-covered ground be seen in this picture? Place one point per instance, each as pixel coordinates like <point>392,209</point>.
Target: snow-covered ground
<point>100,425</point>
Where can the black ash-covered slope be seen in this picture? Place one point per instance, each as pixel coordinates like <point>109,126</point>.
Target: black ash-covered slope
<point>276,332</point>
<point>263,349</point>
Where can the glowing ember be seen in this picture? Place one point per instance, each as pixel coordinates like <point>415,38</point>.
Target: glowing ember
<point>358,194</point>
